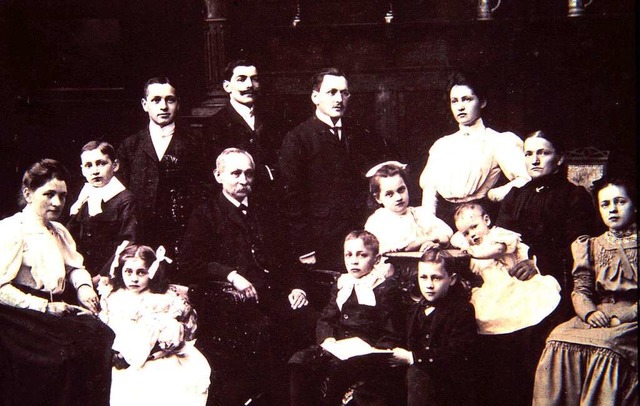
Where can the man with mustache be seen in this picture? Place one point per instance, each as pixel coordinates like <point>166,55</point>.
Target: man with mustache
<point>160,166</point>
<point>226,240</point>
<point>242,124</point>
<point>323,162</point>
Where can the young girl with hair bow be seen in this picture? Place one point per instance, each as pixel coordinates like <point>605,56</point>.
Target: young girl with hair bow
<point>155,360</point>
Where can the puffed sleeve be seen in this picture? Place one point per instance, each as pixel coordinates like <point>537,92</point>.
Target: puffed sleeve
<point>433,227</point>
<point>73,260</point>
<point>428,181</point>
<point>11,247</point>
<point>184,313</point>
<point>583,278</point>
<point>509,153</point>
<point>507,237</point>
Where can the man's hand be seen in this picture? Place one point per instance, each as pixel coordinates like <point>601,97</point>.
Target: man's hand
<point>297,299</point>
<point>88,298</point>
<point>242,285</point>
<point>524,270</point>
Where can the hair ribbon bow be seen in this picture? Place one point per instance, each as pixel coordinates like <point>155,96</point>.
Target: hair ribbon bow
<point>160,256</point>
<point>375,169</point>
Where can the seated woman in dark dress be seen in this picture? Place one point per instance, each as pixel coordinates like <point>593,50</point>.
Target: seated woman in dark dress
<point>549,213</point>
<point>51,352</point>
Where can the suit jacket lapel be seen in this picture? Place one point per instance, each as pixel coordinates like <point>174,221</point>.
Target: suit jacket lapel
<point>147,145</point>
<point>238,120</point>
<point>232,212</point>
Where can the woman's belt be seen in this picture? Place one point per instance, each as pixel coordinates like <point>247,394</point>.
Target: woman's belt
<point>56,297</point>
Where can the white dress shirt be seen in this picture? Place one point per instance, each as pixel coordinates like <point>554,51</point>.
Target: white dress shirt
<point>465,165</point>
<point>161,137</point>
<point>245,112</point>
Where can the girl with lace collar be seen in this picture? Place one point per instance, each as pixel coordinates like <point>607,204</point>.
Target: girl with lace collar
<point>604,334</point>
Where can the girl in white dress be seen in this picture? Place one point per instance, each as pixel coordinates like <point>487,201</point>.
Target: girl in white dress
<point>398,226</point>
<point>503,303</point>
<point>156,361</point>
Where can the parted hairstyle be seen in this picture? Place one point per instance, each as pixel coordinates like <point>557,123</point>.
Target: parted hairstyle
<point>317,79</point>
<point>158,284</point>
<point>554,139</point>
<point>469,79</point>
<point>369,240</point>
<point>39,174</point>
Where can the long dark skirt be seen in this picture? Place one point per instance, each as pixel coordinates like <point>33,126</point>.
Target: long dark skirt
<point>53,360</point>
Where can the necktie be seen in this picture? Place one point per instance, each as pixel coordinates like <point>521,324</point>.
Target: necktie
<point>337,131</point>
<point>243,208</point>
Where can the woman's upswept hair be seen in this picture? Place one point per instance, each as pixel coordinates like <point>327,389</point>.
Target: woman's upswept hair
<point>469,79</point>
<point>39,174</point>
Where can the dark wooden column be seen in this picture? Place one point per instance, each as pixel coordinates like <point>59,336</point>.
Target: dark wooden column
<point>215,54</point>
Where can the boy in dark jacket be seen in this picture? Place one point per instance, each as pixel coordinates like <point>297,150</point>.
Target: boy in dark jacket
<point>363,304</point>
<point>441,336</point>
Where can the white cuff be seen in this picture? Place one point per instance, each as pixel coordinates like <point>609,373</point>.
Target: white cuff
<point>307,255</point>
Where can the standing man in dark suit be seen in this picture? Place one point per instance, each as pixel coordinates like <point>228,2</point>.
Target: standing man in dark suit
<point>323,162</point>
<point>226,240</point>
<point>160,166</point>
<point>242,124</point>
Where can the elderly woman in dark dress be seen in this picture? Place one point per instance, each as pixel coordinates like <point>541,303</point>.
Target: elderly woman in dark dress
<point>51,352</point>
<point>549,213</point>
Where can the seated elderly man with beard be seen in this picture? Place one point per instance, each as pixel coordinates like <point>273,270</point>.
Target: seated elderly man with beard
<point>225,241</point>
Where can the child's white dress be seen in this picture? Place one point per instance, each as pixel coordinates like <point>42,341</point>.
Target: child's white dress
<point>179,377</point>
<point>395,231</point>
<point>503,303</point>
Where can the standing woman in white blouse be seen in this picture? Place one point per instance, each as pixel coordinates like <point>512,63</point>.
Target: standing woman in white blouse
<point>465,166</point>
<point>51,352</point>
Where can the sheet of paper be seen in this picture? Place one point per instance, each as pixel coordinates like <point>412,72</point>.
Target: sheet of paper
<point>352,347</point>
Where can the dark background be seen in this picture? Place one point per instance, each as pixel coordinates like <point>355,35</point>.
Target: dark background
<point>72,70</point>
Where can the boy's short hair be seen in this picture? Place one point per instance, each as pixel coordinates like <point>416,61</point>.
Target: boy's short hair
<point>159,80</point>
<point>464,207</point>
<point>451,264</point>
<point>369,240</point>
<point>103,146</point>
